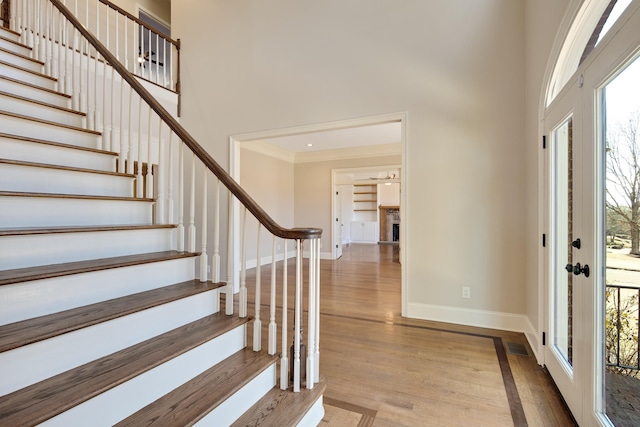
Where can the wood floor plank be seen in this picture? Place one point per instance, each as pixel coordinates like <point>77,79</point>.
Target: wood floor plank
<point>37,403</point>
<point>18,334</point>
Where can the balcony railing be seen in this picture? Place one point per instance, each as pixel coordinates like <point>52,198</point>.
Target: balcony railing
<point>622,329</point>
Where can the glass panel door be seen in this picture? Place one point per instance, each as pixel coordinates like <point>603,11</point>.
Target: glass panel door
<point>562,357</point>
<point>620,238</point>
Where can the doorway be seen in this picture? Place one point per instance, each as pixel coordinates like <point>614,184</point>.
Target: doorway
<point>324,212</point>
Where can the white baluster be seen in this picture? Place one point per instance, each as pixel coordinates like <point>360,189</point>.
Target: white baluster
<point>160,178</point>
<point>273,329</point>
<point>170,213</point>
<point>35,30</point>
<point>171,86</point>
<point>134,56</point>
<point>296,318</point>
<point>311,335</point>
<point>257,323</point>
<point>316,357</point>
<point>192,206</point>
<point>284,359</point>
<point>139,177</point>
<point>126,44</point>
<point>204,260</point>
<point>130,133</point>
<point>75,86</point>
<point>149,175</point>
<point>94,116</point>
<point>215,262</point>
<point>121,164</point>
<point>157,58</point>
<point>180,230</point>
<point>48,38</point>
<point>113,110</point>
<point>164,65</point>
<point>242,305</point>
<point>229,289</point>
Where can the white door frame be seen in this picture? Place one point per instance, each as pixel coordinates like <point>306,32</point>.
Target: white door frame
<point>235,142</point>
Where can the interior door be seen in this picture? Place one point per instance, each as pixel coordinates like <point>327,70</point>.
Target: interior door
<point>563,357</point>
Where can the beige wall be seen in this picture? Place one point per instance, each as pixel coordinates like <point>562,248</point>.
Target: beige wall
<point>269,181</point>
<point>457,67</point>
<point>313,191</point>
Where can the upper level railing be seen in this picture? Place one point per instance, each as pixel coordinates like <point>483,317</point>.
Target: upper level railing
<point>144,51</point>
<point>172,168</point>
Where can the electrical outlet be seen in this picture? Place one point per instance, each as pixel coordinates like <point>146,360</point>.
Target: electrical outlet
<point>466,292</point>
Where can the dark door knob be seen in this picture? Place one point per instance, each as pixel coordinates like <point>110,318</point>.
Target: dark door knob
<point>577,269</point>
<point>576,243</point>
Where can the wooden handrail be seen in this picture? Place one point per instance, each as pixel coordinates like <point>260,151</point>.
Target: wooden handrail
<point>138,21</point>
<point>197,149</point>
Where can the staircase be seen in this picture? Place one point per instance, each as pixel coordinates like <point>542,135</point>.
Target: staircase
<point>102,320</point>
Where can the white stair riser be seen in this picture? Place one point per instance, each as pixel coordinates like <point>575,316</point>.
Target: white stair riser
<point>9,34</point>
<point>21,61</point>
<point>44,249</point>
<point>314,416</point>
<point>34,93</point>
<point>229,410</point>
<point>35,362</point>
<point>67,292</point>
<point>27,77</point>
<point>14,149</point>
<point>59,181</point>
<point>13,47</point>
<point>32,129</point>
<point>51,212</point>
<point>118,403</point>
<point>39,111</point>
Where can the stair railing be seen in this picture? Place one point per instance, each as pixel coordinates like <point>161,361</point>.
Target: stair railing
<point>175,171</point>
<point>145,51</point>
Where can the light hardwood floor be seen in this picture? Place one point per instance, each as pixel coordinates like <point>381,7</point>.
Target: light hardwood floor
<point>386,370</point>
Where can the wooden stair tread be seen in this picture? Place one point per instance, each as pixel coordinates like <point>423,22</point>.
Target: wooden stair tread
<point>56,270</point>
<point>281,407</point>
<point>41,401</point>
<point>72,196</point>
<point>57,144</point>
<point>26,70</point>
<point>20,82</point>
<point>64,168</point>
<point>19,55</point>
<point>193,400</point>
<point>47,122</point>
<point>24,231</point>
<point>45,104</point>
<point>6,39</point>
<point>9,30</point>
<point>36,329</point>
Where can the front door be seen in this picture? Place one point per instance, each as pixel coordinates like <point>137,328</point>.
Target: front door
<point>593,169</point>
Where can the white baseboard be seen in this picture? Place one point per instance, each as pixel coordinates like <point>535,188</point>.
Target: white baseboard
<point>469,317</point>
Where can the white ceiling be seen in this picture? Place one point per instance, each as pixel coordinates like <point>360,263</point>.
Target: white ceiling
<point>387,133</point>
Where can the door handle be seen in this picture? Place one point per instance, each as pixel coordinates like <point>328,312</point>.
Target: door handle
<point>578,269</point>
<point>576,243</point>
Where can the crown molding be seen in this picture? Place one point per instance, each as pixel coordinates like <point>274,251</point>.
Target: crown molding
<point>269,150</point>
<point>349,153</point>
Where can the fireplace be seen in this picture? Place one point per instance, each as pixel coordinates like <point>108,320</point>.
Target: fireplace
<point>389,224</point>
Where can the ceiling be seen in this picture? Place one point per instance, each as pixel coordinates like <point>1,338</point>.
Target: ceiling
<point>379,134</point>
